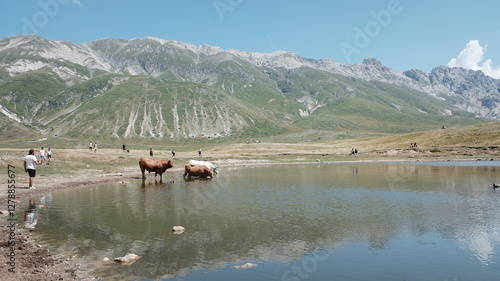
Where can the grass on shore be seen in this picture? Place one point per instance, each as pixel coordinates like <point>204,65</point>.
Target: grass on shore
<point>472,142</point>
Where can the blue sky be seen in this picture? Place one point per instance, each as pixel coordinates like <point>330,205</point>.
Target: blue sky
<point>403,34</point>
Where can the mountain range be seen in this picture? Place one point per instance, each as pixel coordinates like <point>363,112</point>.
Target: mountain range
<point>156,89</point>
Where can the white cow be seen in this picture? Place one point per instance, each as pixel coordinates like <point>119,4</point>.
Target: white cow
<point>207,164</point>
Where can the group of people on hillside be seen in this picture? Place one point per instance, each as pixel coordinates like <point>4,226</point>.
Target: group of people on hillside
<point>354,151</point>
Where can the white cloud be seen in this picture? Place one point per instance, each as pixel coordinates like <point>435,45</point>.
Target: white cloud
<point>472,58</point>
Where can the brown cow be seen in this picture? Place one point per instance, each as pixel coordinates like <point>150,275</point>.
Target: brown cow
<point>201,171</point>
<point>157,166</point>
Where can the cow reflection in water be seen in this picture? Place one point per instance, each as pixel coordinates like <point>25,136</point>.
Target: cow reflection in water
<point>155,184</point>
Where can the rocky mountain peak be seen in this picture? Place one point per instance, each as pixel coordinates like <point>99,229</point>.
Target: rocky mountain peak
<point>467,89</point>
<point>372,61</point>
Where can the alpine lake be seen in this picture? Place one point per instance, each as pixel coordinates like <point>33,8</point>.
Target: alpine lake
<point>390,221</point>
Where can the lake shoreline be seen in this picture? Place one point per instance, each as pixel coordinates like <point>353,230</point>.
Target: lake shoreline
<point>56,182</point>
<point>37,263</point>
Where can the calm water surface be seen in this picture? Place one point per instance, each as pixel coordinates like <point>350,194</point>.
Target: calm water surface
<point>316,222</point>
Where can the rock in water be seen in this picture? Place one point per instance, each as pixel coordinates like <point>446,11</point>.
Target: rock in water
<point>178,229</point>
<point>246,265</point>
<point>128,259</point>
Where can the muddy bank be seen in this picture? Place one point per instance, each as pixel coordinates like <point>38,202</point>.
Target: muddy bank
<point>25,259</point>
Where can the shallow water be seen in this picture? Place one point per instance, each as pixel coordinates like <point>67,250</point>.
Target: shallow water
<point>314,222</point>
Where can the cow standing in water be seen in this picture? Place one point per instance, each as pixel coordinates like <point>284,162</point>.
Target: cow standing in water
<point>201,171</point>
<point>208,164</point>
<point>157,166</point>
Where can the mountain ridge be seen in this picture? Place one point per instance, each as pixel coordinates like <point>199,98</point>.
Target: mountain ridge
<point>369,69</point>
<point>280,87</point>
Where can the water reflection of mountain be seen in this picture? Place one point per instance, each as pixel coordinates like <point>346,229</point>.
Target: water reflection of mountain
<point>260,215</point>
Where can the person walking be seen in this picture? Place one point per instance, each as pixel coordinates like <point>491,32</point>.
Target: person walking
<point>42,155</point>
<point>151,152</point>
<point>30,163</point>
<point>49,155</point>
<point>199,152</point>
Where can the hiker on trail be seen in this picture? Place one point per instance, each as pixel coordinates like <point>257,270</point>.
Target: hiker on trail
<point>30,163</point>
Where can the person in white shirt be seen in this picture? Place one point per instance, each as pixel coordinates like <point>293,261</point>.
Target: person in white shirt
<point>30,163</point>
<point>42,155</point>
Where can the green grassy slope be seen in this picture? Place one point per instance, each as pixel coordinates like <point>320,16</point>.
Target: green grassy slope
<point>189,96</point>
<point>146,108</point>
